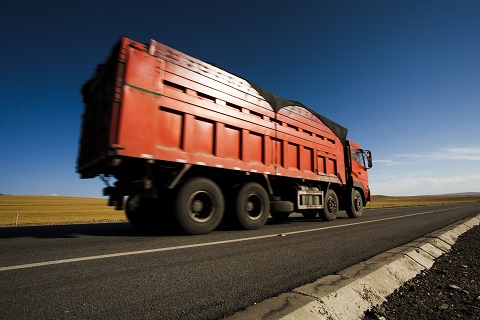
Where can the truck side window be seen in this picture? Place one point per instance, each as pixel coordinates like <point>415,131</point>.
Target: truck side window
<point>353,153</point>
<point>360,158</point>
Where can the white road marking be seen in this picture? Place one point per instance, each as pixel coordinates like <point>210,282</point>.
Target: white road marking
<point>130,253</point>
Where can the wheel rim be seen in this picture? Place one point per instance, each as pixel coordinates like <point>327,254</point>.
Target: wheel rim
<point>201,206</point>
<point>254,206</point>
<point>332,205</point>
<point>358,204</point>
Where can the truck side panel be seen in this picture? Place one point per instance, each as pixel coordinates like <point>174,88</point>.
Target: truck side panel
<point>312,148</point>
<point>174,107</point>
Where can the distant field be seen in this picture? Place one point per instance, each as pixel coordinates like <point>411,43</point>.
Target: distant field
<point>388,202</point>
<point>38,210</point>
<point>35,210</point>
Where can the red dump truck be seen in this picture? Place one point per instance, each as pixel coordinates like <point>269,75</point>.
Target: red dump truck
<point>191,144</point>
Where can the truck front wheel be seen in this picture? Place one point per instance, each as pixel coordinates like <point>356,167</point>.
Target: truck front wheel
<point>252,206</point>
<point>199,206</point>
<point>355,204</point>
<point>330,208</point>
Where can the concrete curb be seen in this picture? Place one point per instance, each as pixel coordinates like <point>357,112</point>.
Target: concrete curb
<point>348,294</point>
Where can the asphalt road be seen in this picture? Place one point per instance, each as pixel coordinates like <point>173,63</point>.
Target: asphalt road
<point>113,271</point>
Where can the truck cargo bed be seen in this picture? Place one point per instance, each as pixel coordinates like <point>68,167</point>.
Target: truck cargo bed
<point>156,103</point>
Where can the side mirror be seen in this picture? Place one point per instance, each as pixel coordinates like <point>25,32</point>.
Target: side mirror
<point>368,153</point>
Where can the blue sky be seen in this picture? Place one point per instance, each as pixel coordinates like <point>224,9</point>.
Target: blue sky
<point>402,76</point>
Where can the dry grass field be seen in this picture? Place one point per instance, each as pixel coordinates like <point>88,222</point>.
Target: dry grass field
<point>388,202</point>
<point>39,210</point>
<point>36,210</point>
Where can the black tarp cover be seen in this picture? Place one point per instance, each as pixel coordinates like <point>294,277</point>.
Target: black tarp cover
<point>277,103</point>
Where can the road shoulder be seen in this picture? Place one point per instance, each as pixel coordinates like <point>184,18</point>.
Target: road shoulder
<point>351,292</point>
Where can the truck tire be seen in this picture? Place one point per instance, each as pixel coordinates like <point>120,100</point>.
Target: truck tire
<point>199,206</point>
<point>330,209</point>
<point>355,204</point>
<point>252,206</point>
<point>281,207</point>
<point>139,212</point>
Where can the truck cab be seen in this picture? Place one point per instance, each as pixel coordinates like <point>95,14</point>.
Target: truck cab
<point>359,161</point>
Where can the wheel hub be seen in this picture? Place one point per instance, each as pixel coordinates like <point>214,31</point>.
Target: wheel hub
<point>332,206</point>
<point>201,206</point>
<point>253,207</point>
<point>249,206</point>
<point>358,204</point>
<point>197,206</point>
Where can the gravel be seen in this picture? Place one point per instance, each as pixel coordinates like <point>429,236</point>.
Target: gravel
<point>448,290</point>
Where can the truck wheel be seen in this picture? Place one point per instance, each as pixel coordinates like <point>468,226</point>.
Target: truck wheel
<point>280,210</point>
<point>138,212</point>
<point>199,206</point>
<point>252,206</point>
<point>330,208</point>
<point>355,204</point>
<point>281,207</point>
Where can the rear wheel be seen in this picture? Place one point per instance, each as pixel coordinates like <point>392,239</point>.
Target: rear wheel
<point>330,208</point>
<point>355,204</point>
<point>252,206</point>
<point>199,206</point>
<point>140,212</point>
